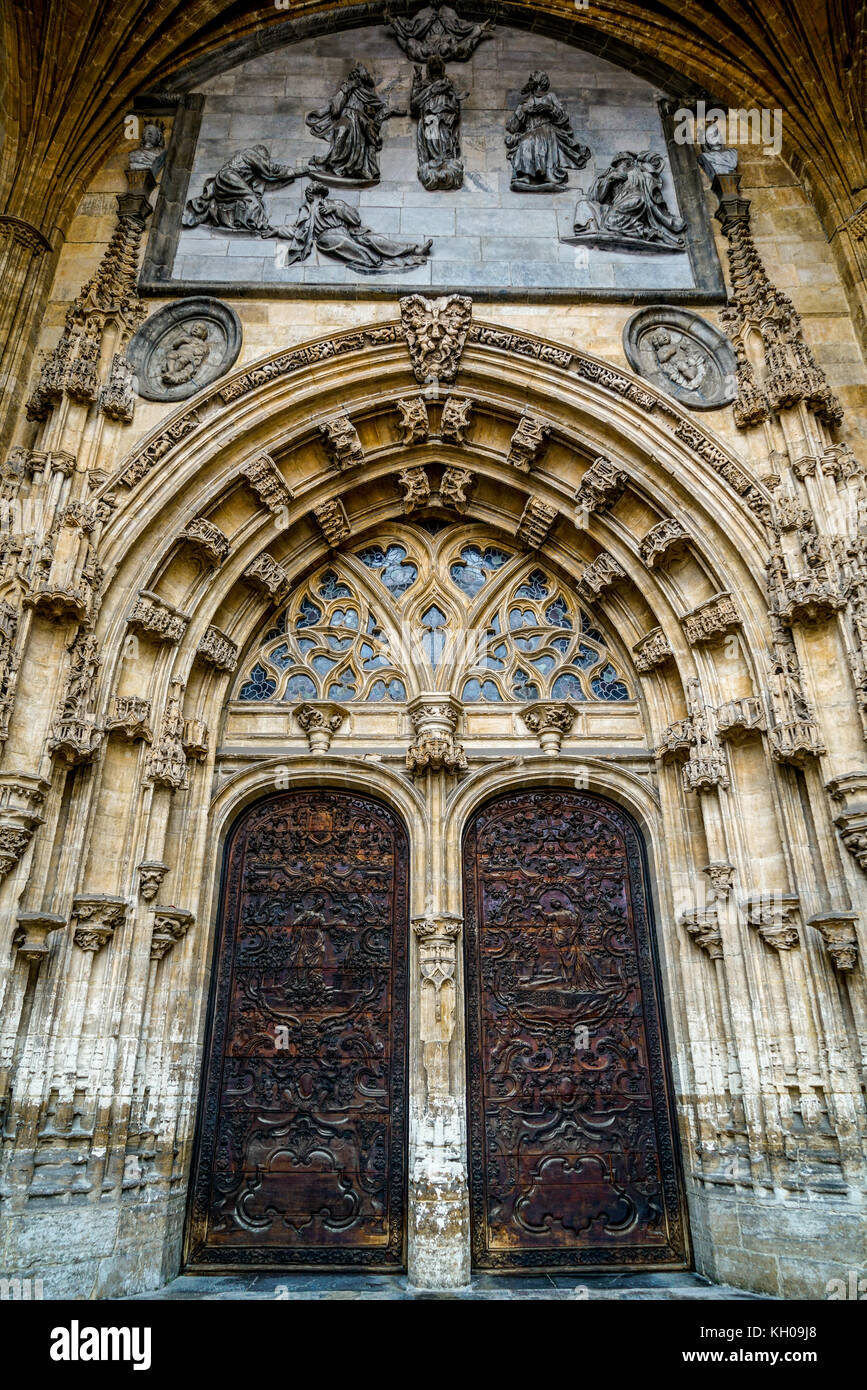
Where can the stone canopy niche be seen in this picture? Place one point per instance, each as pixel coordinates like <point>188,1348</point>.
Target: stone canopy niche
<point>341,160</point>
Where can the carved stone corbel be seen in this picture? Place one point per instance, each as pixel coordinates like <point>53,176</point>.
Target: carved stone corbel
<point>437,937</point>
<point>34,929</point>
<point>333,521</point>
<point>207,539</point>
<point>153,617</point>
<point>601,574</point>
<point>837,930</point>
<point>95,919</point>
<point>711,620</point>
<point>218,650</point>
<point>454,486</point>
<point>435,330</point>
<point>652,650</point>
<point>536,521</point>
<point>268,576</point>
<point>341,442</point>
<point>21,796</point>
<point>601,486</point>
<point>435,719</point>
<point>151,873</point>
<point>549,722</point>
<point>267,482</point>
<point>171,924</point>
<point>738,718</point>
<point>773,917</point>
<point>131,718</point>
<point>414,421</point>
<point>849,793</point>
<point>662,542</point>
<point>528,443</point>
<point>320,723</point>
<point>456,419</point>
<point>704,928</point>
<point>416,488</point>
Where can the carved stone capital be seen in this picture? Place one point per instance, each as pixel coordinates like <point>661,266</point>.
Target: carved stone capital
<point>704,929</point>
<point>151,873</point>
<point>849,793</point>
<point>414,421</point>
<point>651,650</point>
<point>435,718</point>
<point>21,796</point>
<point>171,924</point>
<point>267,482</point>
<point>333,521</point>
<point>34,929</point>
<point>773,916</point>
<point>549,722</point>
<point>96,918</point>
<point>320,723</point>
<point>456,419</point>
<point>207,539</point>
<point>837,930</point>
<point>536,521</point>
<point>662,542</point>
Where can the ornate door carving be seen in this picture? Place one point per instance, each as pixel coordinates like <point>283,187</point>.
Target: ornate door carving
<point>572,1153</point>
<point>301,1156</point>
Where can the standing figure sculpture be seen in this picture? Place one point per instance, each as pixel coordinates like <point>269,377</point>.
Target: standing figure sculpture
<point>352,124</point>
<point>626,210</point>
<point>437,107</point>
<point>336,229</point>
<point>540,140</point>
<point>233,198</point>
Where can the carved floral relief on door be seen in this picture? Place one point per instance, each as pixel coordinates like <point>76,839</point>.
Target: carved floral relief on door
<point>301,1156</point>
<point>572,1152</point>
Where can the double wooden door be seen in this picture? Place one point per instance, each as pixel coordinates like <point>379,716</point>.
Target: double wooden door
<point>572,1150</point>
<point>302,1134</point>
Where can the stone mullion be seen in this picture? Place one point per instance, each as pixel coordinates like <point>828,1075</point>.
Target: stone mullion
<point>27,267</point>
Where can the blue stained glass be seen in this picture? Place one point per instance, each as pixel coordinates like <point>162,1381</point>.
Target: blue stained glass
<point>528,644</point>
<point>523,688</point>
<point>561,644</point>
<point>260,686</point>
<point>484,690</point>
<point>557,613</point>
<point>281,657</point>
<point>606,685</point>
<point>278,629</point>
<point>516,619</point>
<point>396,575</point>
<point>567,687</point>
<point>495,623</point>
<point>308,614</point>
<point>371,625</point>
<point>346,687</point>
<point>534,586</point>
<point>434,617</point>
<point>545,664</point>
<point>375,663</point>
<point>585,656</point>
<point>300,688</point>
<point>305,644</point>
<point>344,618</point>
<point>590,631</point>
<point>493,663</point>
<point>394,690</point>
<point>338,644</point>
<point>471,571</point>
<point>332,587</point>
<point>373,557</point>
<point>322,665</point>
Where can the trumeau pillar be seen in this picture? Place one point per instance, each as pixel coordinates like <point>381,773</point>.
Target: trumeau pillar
<point>438,1253</point>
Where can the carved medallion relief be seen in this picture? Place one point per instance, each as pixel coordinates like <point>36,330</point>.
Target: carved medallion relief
<point>183,348</point>
<point>683,354</point>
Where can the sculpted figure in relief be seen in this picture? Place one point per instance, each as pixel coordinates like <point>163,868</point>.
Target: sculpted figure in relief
<point>233,198</point>
<point>626,209</point>
<point>186,353</point>
<point>437,31</point>
<point>352,124</point>
<point>681,361</point>
<point>336,229</point>
<point>437,106</point>
<point>540,140</point>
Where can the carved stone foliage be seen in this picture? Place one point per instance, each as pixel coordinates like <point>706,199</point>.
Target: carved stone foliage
<point>683,354</point>
<point>320,723</point>
<point>268,575</point>
<point>437,31</point>
<point>34,929</point>
<point>147,458</point>
<point>711,620</point>
<point>528,442</point>
<point>536,521</point>
<point>554,897</point>
<point>456,419</point>
<point>437,938</point>
<point>540,141</point>
<point>436,104</point>
<point>652,650</point>
<point>131,718</point>
<point>451,495</point>
<point>117,396</point>
<point>435,331</point>
<point>601,574</point>
<point>837,930</point>
<point>794,735</point>
<point>333,521</point>
<point>207,539</point>
<point>184,347</point>
<point>416,488</point>
<point>773,916</point>
<point>96,919</point>
<point>21,798</point>
<point>341,442</point>
<point>218,649</point>
<point>454,486</point>
<point>737,718</point>
<point>757,307</point>
<point>171,924</point>
<point>704,928</point>
<point>435,748</point>
<point>316,1018</point>
<point>849,794</point>
<point>167,762</point>
<point>151,873</point>
<point>625,209</point>
<point>662,542</point>
<point>267,482</point>
<point>414,422</point>
<point>550,723</point>
<point>696,737</point>
<point>153,617</point>
<point>601,485</point>
<point>75,736</point>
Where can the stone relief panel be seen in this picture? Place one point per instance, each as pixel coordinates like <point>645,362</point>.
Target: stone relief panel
<point>183,348</point>
<point>683,354</point>
<point>344,156</point>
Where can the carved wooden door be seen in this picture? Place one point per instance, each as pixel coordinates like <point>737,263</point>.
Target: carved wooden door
<point>572,1151</point>
<point>301,1156</point>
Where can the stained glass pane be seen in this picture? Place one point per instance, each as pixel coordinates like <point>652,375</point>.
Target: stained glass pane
<point>260,686</point>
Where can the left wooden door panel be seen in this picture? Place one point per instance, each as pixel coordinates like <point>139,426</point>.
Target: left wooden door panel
<point>302,1131</point>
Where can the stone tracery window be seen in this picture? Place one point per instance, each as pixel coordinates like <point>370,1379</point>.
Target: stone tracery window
<point>433,628</point>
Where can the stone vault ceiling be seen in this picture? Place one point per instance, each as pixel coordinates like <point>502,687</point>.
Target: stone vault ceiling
<point>74,68</point>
